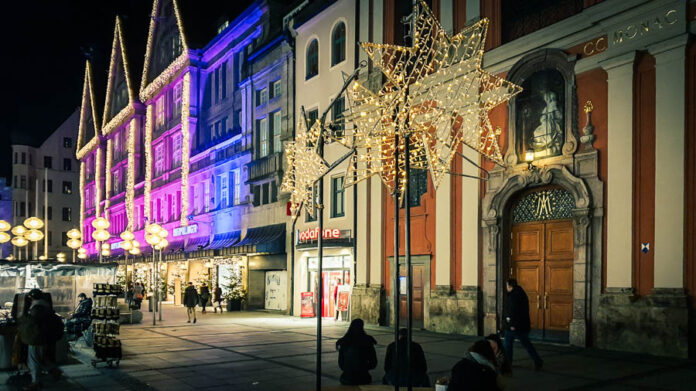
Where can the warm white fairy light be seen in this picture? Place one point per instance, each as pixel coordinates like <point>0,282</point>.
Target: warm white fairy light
<point>185,147</point>
<point>97,181</point>
<point>130,173</point>
<point>87,107</point>
<point>129,110</point>
<point>107,173</point>
<point>82,194</point>
<point>147,147</point>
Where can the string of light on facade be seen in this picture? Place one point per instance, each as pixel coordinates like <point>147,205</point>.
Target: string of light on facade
<point>97,180</point>
<point>130,174</point>
<point>129,110</point>
<point>87,90</point>
<point>107,177</point>
<point>82,194</point>
<point>147,147</point>
<point>185,150</point>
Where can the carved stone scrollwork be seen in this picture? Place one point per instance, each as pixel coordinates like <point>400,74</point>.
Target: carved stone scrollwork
<point>581,221</point>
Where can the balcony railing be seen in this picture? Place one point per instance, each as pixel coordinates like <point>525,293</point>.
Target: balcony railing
<point>265,166</point>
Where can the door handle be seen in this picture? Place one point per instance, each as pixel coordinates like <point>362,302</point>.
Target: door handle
<point>538,302</point>
<point>546,301</point>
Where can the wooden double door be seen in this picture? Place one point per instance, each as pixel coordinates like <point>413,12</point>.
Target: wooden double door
<point>418,285</point>
<point>542,263</point>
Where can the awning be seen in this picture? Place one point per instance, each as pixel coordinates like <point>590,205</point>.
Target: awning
<point>268,239</point>
<point>197,243</point>
<point>224,240</point>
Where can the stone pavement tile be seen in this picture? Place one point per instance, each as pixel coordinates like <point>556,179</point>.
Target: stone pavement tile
<point>593,368</point>
<point>171,385</point>
<point>675,379</point>
<point>523,379</point>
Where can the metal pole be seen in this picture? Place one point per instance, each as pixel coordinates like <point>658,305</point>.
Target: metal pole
<point>153,304</point>
<point>45,191</point>
<point>397,301</point>
<point>36,213</point>
<point>159,294</point>
<point>320,264</point>
<point>407,254</point>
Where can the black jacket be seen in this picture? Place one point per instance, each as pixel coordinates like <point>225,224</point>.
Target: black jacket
<point>356,357</point>
<point>470,375</point>
<point>190,297</point>
<point>419,367</point>
<point>84,309</point>
<point>517,310</point>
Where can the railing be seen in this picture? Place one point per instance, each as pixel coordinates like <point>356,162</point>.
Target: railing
<point>265,166</point>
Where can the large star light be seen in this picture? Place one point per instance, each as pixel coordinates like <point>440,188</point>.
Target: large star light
<point>436,94</point>
<point>305,167</point>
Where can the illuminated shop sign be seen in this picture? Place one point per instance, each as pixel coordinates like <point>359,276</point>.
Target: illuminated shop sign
<point>186,230</point>
<point>311,235</point>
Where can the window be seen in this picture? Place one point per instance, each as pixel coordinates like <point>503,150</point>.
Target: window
<point>418,185</point>
<point>64,239</point>
<point>257,194</point>
<point>48,186</point>
<point>223,80</point>
<point>338,44</point>
<point>312,215</point>
<point>67,187</point>
<point>337,197</point>
<point>177,100</point>
<point>312,59</point>
<point>116,182</point>
<point>48,162</point>
<point>223,126</point>
<point>176,150</point>
<point>50,238</point>
<point>338,123</point>
<point>206,196</point>
<point>274,191</point>
<point>24,158</point>
<point>263,137</point>
<point>275,89</point>
<point>67,164</point>
<point>50,213</point>
<point>261,97</point>
<point>216,90</point>
<point>159,112</point>
<point>31,160</point>
<point>159,159</point>
<point>264,194</point>
<point>224,191</point>
<point>67,142</point>
<point>275,125</point>
<point>16,183</point>
<point>22,182</point>
<point>67,214</point>
<point>22,209</point>
<point>237,187</point>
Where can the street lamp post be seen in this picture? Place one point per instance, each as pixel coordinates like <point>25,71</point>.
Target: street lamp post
<point>152,238</point>
<point>19,240</point>
<point>101,235</point>
<point>74,241</point>
<point>34,224</point>
<point>4,236</point>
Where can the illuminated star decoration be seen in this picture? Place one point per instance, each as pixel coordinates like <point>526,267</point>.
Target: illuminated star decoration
<point>436,93</point>
<point>305,167</point>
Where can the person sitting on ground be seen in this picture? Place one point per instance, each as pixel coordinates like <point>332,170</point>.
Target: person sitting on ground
<point>356,355</point>
<point>40,328</point>
<point>501,363</point>
<point>190,301</point>
<point>81,317</point>
<point>476,371</point>
<point>419,367</point>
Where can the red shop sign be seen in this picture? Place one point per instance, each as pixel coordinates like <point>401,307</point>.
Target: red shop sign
<point>313,234</point>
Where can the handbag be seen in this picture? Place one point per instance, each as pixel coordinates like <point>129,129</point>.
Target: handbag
<point>139,296</point>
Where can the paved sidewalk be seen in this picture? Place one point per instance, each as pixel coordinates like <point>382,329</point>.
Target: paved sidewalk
<point>266,351</point>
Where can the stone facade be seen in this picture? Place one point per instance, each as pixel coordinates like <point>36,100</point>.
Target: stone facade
<point>655,324</point>
<point>367,303</point>
<point>454,312</point>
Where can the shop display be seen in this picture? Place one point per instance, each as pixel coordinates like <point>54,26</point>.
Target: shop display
<point>105,316</point>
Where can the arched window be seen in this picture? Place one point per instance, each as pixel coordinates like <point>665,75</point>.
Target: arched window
<point>338,44</point>
<point>312,59</point>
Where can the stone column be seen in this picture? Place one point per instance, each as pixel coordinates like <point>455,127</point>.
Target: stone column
<point>363,233</point>
<point>619,169</point>
<point>376,227</point>
<point>670,72</point>
<point>470,222</point>
<point>443,233</point>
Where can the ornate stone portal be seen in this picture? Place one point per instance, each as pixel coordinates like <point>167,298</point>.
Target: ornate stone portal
<point>574,172</point>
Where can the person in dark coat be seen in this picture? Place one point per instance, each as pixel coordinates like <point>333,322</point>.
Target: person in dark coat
<point>40,328</point>
<point>205,296</point>
<point>517,323</point>
<point>138,294</point>
<point>419,367</point>
<point>190,301</point>
<point>501,363</point>
<point>217,299</point>
<point>476,371</point>
<point>81,317</point>
<point>356,355</point>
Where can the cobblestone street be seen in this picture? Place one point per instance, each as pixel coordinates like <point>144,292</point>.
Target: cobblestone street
<point>264,351</point>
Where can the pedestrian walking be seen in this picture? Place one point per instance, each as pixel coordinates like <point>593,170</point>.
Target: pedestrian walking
<point>476,371</point>
<point>217,299</point>
<point>130,295</point>
<point>40,328</point>
<point>517,323</point>
<point>418,369</point>
<point>190,301</point>
<point>205,296</point>
<point>139,294</point>
<point>356,355</point>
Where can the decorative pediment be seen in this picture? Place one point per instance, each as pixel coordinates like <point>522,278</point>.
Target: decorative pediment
<point>167,49</point>
<point>119,89</point>
<point>88,128</point>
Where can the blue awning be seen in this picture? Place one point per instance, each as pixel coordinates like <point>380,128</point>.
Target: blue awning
<point>195,244</point>
<point>269,239</point>
<point>224,240</point>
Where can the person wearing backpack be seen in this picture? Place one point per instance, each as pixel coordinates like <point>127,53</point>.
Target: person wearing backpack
<point>40,328</point>
<point>356,355</point>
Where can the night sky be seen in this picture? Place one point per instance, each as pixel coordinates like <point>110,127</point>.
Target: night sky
<point>45,44</point>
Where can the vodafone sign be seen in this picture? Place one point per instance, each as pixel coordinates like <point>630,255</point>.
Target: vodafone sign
<point>310,235</point>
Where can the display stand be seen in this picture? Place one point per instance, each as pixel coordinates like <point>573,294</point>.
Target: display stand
<point>105,325</point>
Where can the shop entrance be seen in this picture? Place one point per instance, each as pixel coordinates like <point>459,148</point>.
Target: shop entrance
<point>418,288</point>
<point>335,271</point>
<point>542,262</point>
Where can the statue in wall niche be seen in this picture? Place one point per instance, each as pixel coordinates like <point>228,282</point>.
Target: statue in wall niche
<point>540,118</point>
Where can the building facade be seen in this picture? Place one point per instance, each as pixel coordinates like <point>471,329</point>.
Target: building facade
<point>45,180</point>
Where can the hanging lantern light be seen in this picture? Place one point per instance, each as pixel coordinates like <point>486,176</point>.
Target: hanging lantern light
<point>106,246</point>
<point>81,250</point>
<point>127,245</point>
<point>153,229</point>
<point>163,233</point>
<point>101,235</point>
<point>74,234</point>
<point>4,226</point>
<point>127,236</point>
<point>33,223</point>
<point>19,230</point>
<point>4,237</point>
<point>136,244</point>
<point>152,239</point>
<point>33,235</point>
<point>74,243</point>
<point>82,255</point>
<point>19,241</point>
<point>134,251</point>
<point>100,223</point>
